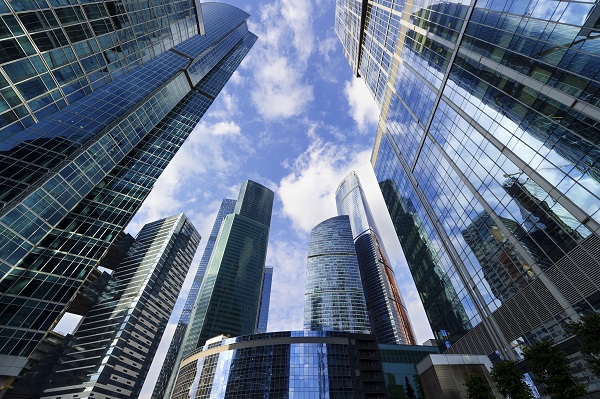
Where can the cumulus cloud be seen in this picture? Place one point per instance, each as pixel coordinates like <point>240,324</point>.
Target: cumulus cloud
<point>279,92</point>
<point>308,192</point>
<point>279,58</point>
<point>362,106</point>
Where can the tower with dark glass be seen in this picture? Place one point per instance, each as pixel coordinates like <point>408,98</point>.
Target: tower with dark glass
<point>164,382</point>
<point>95,100</point>
<point>387,312</point>
<point>230,295</point>
<point>487,147</point>
<point>333,297</point>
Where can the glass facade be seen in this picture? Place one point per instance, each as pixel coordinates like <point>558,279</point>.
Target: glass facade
<point>111,351</point>
<point>333,296</point>
<point>265,300</point>
<point>399,364</point>
<point>72,179</point>
<point>230,294</point>
<point>488,147</point>
<point>387,313</point>
<point>297,364</point>
<point>164,383</point>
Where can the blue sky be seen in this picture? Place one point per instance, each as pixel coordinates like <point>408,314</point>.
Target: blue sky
<point>295,119</point>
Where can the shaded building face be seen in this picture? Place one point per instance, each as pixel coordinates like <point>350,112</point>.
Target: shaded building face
<point>489,117</point>
<point>388,317</point>
<point>333,296</point>
<point>284,364</point>
<point>265,300</point>
<point>230,295</point>
<point>86,166</point>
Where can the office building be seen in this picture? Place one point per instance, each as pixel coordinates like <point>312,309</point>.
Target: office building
<point>96,99</point>
<point>110,353</point>
<point>230,295</point>
<point>265,300</point>
<point>164,382</point>
<point>489,119</point>
<point>387,313</point>
<point>288,364</point>
<point>333,297</point>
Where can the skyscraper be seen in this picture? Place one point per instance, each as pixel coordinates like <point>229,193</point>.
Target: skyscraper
<point>230,295</point>
<point>96,100</point>
<point>387,313</point>
<point>472,94</point>
<point>165,381</point>
<point>333,297</point>
<point>111,351</point>
<point>265,300</point>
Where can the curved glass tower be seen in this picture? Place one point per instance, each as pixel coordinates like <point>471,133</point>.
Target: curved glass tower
<point>333,297</point>
<point>387,313</point>
<point>96,99</point>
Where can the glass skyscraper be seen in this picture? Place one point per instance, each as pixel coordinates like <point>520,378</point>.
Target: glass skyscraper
<point>488,148</point>
<point>111,351</point>
<point>230,295</point>
<point>265,300</point>
<point>387,313</point>
<point>164,383</point>
<point>95,100</point>
<point>333,297</point>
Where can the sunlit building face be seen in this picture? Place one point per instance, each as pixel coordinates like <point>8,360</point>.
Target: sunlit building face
<point>95,100</point>
<point>487,154</point>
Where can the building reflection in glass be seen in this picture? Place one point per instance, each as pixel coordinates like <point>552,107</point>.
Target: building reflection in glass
<point>503,267</point>
<point>445,312</point>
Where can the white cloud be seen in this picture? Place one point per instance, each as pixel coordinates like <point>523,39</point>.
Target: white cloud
<point>308,193</point>
<point>279,92</point>
<point>363,108</point>
<point>288,258</point>
<point>279,58</point>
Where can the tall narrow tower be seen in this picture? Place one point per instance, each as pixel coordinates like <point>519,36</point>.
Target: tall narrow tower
<point>111,351</point>
<point>230,295</point>
<point>333,297</point>
<point>97,97</point>
<point>164,383</point>
<point>387,313</point>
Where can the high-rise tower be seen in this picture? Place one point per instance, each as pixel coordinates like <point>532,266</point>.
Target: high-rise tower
<point>96,100</point>
<point>111,351</point>
<point>230,295</point>
<point>333,297</point>
<point>164,383</point>
<point>387,313</point>
<point>489,130</point>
